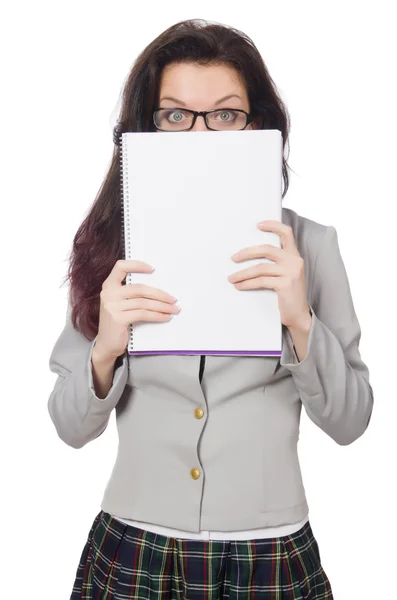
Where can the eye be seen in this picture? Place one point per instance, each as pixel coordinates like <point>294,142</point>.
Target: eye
<point>224,115</point>
<point>175,116</point>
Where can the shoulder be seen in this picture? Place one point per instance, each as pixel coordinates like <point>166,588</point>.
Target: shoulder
<point>304,229</point>
<point>309,235</point>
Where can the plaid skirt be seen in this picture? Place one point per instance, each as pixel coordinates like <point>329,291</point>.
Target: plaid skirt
<point>121,562</point>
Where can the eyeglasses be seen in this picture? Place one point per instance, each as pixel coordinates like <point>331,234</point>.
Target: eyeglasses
<point>183,119</point>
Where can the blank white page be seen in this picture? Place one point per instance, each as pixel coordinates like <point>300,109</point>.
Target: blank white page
<point>190,201</point>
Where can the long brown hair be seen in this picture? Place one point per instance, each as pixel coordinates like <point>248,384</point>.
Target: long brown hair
<point>98,242</point>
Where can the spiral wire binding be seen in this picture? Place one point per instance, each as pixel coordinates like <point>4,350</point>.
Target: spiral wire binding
<point>125,216</point>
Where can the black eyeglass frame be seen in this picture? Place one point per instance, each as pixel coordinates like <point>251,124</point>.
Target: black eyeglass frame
<point>204,113</point>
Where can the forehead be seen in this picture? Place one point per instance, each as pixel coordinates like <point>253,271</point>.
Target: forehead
<point>191,82</point>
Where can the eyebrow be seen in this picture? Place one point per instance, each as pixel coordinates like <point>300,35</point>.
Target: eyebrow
<point>217,102</point>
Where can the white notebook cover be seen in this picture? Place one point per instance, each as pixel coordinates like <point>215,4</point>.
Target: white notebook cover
<point>189,201</point>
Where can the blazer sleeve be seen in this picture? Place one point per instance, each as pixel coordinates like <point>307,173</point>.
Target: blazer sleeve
<point>332,379</point>
<point>78,414</point>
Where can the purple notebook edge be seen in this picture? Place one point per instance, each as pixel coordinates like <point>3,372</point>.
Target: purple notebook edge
<point>214,352</point>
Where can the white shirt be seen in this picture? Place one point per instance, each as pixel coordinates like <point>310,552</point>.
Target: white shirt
<point>248,534</point>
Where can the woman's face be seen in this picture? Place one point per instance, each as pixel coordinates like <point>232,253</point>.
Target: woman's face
<point>189,85</point>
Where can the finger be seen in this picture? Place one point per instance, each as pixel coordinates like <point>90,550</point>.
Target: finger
<point>285,232</point>
<point>140,290</point>
<point>122,268</point>
<point>262,251</point>
<point>271,269</point>
<point>274,283</point>
<point>133,316</point>
<point>145,304</point>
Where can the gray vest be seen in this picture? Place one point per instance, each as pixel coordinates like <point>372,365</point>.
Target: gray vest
<point>222,454</point>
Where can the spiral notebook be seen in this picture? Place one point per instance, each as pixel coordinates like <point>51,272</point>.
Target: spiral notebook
<point>190,201</point>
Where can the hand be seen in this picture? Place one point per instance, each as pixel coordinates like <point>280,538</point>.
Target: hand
<point>122,305</point>
<point>285,276</point>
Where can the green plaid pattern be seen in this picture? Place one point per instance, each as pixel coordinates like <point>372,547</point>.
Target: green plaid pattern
<point>121,562</point>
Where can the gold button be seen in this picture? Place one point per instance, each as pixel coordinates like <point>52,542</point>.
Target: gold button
<point>195,473</point>
<point>198,413</point>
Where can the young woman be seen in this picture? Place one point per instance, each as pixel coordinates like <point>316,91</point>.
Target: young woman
<point>206,499</point>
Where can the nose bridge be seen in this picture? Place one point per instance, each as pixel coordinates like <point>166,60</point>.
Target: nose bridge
<point>200,124</point>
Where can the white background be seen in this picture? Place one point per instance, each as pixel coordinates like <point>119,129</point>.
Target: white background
<point>63,65</point>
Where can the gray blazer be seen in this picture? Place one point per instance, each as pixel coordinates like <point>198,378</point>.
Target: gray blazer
<point>233,464</point>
